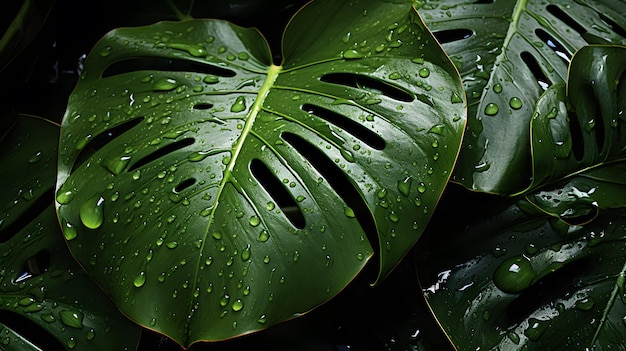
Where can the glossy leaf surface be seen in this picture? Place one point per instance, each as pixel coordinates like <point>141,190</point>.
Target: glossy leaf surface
<point>509,53</point>
<point>214,193</point>
<point>46,301</point>
<point>518,281</point>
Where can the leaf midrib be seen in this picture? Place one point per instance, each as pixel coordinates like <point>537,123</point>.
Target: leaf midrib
<point>272,73</point>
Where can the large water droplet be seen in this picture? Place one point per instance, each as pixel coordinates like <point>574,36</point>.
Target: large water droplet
<point>514,275</point>
<point>69,232</point>
<point>515,103</point>
<point>65,196</point>
<point>245,254</point>
<point>165,84</point>
<point>424,72</point>
<point>404,186</point>
<point>71,318</point>
<point>535,328</point>
<point>349,212</point>
<point>237,305</point>
<point>92,212</point>
<point>352,54</point>
<point>497,88</point>
<point>491,109</point>
<point>239,105</point>
<point>254,221</point>
<point>140,280</point>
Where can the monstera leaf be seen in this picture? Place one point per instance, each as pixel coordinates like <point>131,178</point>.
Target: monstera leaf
<point>517,281</point>
<point>509,53</point>
<point>213,193</point>
<point>46,301</point>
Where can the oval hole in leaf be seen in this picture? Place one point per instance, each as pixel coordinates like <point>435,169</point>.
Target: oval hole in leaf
<point>34,210</point>
<point>30,331</point>
<point>554,44</point>
<point>357,130</point>
<point>368,84</point>
<point>450,35</point>
<point>165,150</point>
<point>338,181</point>
<point>550,287</point>
<point>614,26</point>
<point>560,14</point>
<point>34,266</point>
<point>279,194</point>
<point>184,185</point>
<point>164,64</point>
<point>203,106</point>
<point>535,69</point>
<point>102,139</point>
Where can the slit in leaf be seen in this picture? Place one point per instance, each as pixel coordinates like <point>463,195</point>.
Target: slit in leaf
<point>484,1</point>
<point>356,129</point>
<point>558,284</point>
<point>164,64</point>
<point>560,14</point>
<point>184,185</point>
<point>168,149</point>
<point>30,330</point>
<point>535,69</point>
<point>592,121</point>
<point>102,139</point>
<point>276,189</point>
<point>340,183</point>
<point>34,266</point>
<point>369,84</point>
<point>555,45</point>
<point>619,30</point>
<point>202,106</point>
<point>42,203</point>
<point>450,35</point>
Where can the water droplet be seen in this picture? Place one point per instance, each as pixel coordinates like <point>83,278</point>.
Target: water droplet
<point>535,328</point>
<point>296,256</point>
<point>211,79</point>
<point>491,109</point>
<point>71,318</point>
<point>171,244</point>
<point>224,300</point>
<point>421,187</point>
<point>239,105</point>
<point>193,50</point>
<point>237,305</point>
<point>71,343</point>
<point>588,126</point>
<point>106,51</point>
<point>404,186</point>
<point>140,280</point>
<point>497,88</point>
<point>585,304</point>
<point>69,232</point>
<point>352,54</point>
<point>514,275</point>
<point>216,235</point>
<point>245,254</point>
<point>455,98</point>
<point>243,56</point>
<point>92,212</point>
<point>254,221</point>
<point>35,157</point>
<point>348,212</point>
<point>552,114</point>
<point>437,129</point>
<point>64,196</point>
<point>166,84</point>
<point>48,317</point>
<point>513,337</point>
<point>515,103</point>
<point>264,236</point>
<point>424,72</point>
<point>395,75</point>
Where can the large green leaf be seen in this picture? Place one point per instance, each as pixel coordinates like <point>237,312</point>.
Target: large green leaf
<point>46,301</point>
<point>212,193</point>
<point>518,281</point>
<point>508,53</point>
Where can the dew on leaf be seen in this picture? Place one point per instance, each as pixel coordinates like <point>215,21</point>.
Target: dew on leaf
<point>237,305</point>
<point>69,232</point>
<point>92,212</point>
<point>535,328</point>
<point>72,318</point>
<point>239,105</point>
<point>140,280</point>
<point>424,72</point>
<point>497,88</point>
<point>352,54</point>
<point>491,109</point>
<point>254,221</point>
<point>515,103</point>
<point>404,186</point>
<point>514,275</point>
<point>166,84</point>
